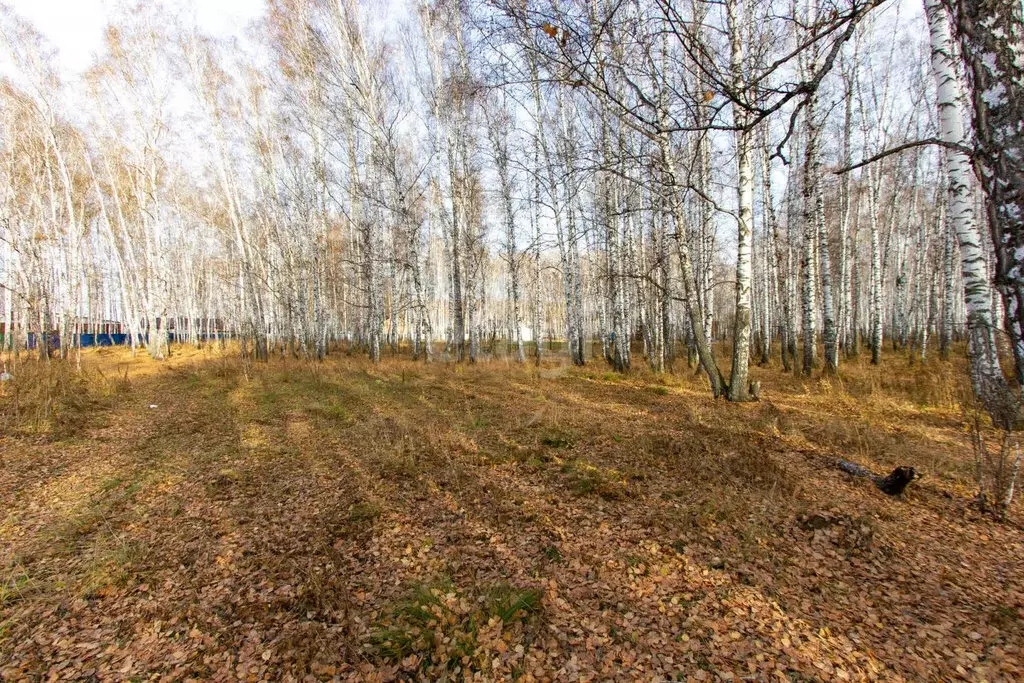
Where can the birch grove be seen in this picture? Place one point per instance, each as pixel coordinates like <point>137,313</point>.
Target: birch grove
<point>673,183</point>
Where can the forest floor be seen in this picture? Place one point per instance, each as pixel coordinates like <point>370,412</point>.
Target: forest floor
<point>203,518</point>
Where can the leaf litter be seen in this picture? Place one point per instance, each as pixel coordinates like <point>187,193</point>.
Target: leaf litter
<point>403,522</point>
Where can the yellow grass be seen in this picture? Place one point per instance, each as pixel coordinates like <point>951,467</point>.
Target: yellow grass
<point>351,520</point>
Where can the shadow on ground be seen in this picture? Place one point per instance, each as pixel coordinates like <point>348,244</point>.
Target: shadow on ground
<point>298,520</point>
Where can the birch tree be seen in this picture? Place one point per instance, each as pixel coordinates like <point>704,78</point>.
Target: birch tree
<point>991,36</point>
<point>986,373</point>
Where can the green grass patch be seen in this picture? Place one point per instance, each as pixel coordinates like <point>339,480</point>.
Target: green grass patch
<point>585,480</point>
<point>510,603</point>
<point>15,587</point>
<point>557,438</point>
<point>112,568</point>
<point>364,512</point>
<point>439,623</point>
<point>87,517</point>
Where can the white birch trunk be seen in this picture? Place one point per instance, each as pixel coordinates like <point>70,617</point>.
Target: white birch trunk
<point>739,385</point>
<point>986,373</point>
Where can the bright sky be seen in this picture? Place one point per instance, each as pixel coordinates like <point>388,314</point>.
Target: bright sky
<point>75,27</point>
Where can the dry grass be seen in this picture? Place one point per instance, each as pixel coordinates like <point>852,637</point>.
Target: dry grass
<point>343,519</point>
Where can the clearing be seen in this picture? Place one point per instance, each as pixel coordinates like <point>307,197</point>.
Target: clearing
<point>208,519</point>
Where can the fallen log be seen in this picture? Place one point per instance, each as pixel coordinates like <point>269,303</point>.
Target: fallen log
<point>891,485</point>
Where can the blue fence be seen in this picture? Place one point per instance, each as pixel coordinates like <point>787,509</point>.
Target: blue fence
<point>89,340</point>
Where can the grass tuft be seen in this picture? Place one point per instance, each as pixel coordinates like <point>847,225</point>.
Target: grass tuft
<point>439,625</point>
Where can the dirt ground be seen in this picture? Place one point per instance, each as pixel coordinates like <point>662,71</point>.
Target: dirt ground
<point>205,519</point>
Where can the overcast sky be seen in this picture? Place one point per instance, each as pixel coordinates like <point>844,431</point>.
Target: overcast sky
<point>75,27</point>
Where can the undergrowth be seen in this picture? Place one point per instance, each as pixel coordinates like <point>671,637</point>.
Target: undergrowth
<point>438,625</point>
<point>54,399</point>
